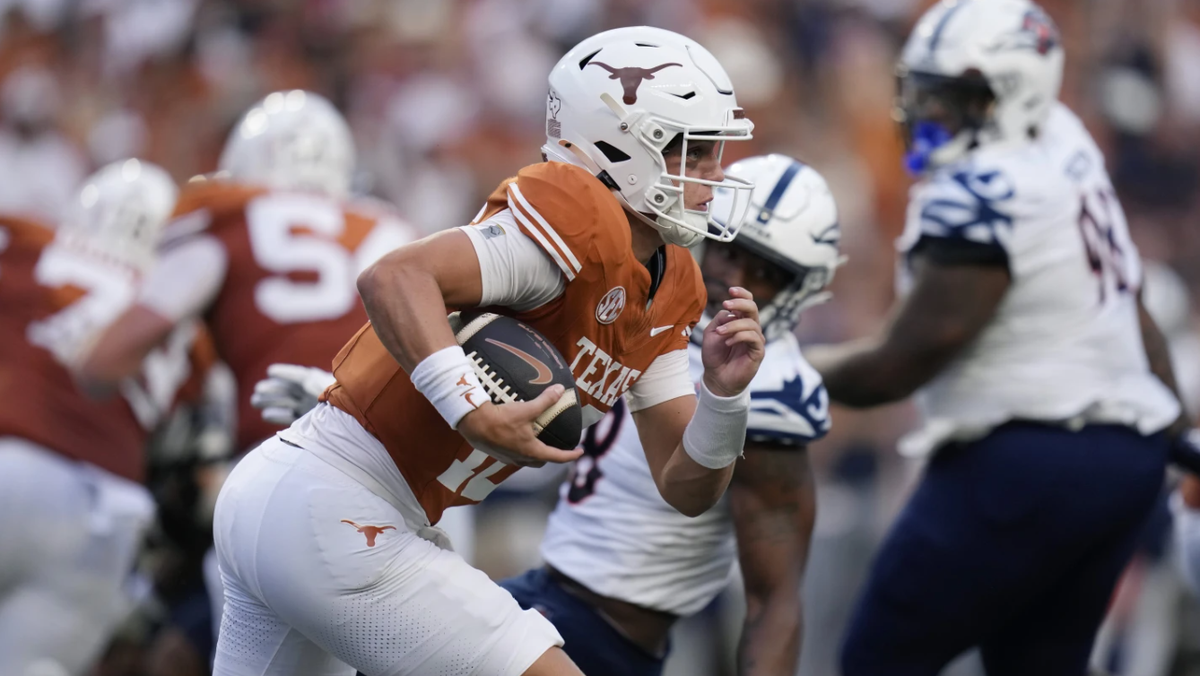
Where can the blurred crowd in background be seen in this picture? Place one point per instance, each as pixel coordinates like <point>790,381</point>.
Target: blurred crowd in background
<point>446,98</point>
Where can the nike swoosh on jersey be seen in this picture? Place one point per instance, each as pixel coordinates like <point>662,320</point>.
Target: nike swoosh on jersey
<point>659,329</point>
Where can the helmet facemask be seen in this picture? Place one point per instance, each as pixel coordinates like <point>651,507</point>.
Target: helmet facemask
<point>941,118</point>
<point>666,198</point>
<point>808,288</point>
<point>778,315</point>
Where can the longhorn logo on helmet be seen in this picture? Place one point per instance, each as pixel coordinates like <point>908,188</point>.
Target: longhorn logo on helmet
<point>632,78</point>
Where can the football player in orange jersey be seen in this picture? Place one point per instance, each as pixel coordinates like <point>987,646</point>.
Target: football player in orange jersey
<point>72,507</point>
<point>265,251</point>
<point>325,534</point>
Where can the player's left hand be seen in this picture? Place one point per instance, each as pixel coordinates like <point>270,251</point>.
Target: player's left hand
<point>733,345</point>
<point>289,391</point>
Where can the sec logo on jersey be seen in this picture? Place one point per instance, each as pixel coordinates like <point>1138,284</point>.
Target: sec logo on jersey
<point>610,306</point>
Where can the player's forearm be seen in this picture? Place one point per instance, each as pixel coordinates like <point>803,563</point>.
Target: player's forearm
<point>407,311</point>
<point>119,351</point>
<point>771,635</point>
<point>406,294</point>
<point>690,487</point>
<point>864,373</point>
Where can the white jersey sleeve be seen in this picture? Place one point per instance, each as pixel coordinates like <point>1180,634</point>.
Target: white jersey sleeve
<point>186,277</point>
<point>516,272</point>
<point>964,215</point>
<point>788,402</point>
<point>665,379</point>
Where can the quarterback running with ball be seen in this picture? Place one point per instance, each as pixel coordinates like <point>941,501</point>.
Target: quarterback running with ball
<point>326,533</point>
<point>622,564</point>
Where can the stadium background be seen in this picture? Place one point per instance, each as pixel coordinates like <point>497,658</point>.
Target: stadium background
<point>446,98</point>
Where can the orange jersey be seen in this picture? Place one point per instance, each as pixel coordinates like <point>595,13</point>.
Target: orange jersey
<point>41,402</point>
<point>602,324</point>
<point>289,291</point>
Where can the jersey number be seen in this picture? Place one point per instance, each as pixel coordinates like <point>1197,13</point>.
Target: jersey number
<point>586,471</point>
<point>107,291</point>
<point>1103,227</point>
<point>292,234</point>
<point>467,471</point>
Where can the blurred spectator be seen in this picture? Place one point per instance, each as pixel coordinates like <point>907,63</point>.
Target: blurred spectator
<point>39,167</point>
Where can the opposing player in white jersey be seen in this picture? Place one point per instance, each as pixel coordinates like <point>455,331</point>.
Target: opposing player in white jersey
<point>1042,382</point>
<point>623,564</point>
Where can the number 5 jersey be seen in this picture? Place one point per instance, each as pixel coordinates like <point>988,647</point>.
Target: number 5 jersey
<point>1065,343</point>
<point>273,275</point>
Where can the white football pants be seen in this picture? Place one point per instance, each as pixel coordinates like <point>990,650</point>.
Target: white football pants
<point>69,534</point>
<point>323,576</point>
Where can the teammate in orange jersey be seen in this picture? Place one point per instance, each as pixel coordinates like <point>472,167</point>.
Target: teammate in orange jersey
<point>265,251</point>
<point>72,507</point>
<point>325,534</point>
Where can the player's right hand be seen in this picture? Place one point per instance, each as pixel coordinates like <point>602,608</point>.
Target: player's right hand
<point>507,434</point>
<point>289,391</point>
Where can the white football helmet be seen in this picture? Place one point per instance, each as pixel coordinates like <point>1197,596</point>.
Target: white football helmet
<point>294,140</point>
<point>792,222</point>
<point>618,98</point>
<point>120,213</point>
<point>993,66</point>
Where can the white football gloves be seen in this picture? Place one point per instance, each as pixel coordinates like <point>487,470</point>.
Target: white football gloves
<point>289,391</point>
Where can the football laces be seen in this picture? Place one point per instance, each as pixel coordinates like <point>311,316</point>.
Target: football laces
<point>497,389</point>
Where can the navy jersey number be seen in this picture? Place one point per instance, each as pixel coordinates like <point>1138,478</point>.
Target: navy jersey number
<point>586,470</point>
<point>1100,223</point>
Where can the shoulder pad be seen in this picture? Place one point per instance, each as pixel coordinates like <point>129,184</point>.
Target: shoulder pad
<point>15,231</point>
<point>214,195</point>
<point>203,202</point>
<point>967,203</point>
<point>568,212</point>
<point>788,401</point>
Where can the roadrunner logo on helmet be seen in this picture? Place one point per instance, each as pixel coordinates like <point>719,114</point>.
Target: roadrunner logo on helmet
<point>792,222</point>
<point>619,98</point>
<point>976,73</point>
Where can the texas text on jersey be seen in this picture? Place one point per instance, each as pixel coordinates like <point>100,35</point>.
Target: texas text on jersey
<point>289,261</point>
<point>611,321</point>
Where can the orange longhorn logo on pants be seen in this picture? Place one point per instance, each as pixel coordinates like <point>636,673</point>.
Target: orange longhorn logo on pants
<point>371,532</point>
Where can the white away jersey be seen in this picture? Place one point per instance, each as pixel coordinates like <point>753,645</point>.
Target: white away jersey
<point>611,530</point>
<point>1065,342</point>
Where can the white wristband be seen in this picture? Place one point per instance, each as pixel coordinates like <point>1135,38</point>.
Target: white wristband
<point>716,434</point>
<point>448,381</point>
